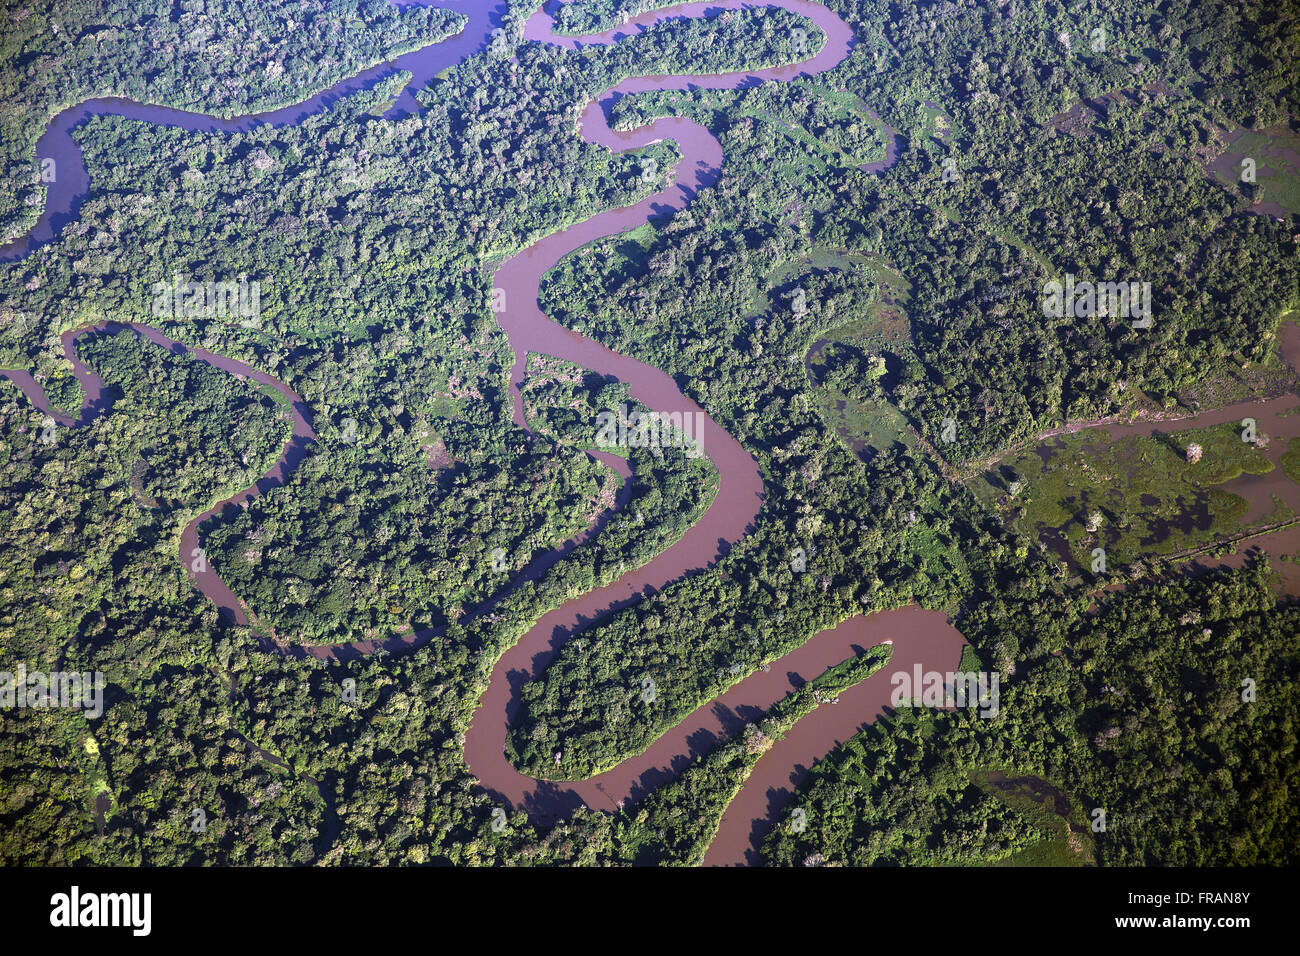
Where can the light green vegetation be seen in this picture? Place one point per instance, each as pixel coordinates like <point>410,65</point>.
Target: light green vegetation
<point>851,365</point>
<point>867,427</point>
<point>1066,840</point>
<point>833,121</point>
<point>1291,460</point>
<point>1276,152</point>
<point>1134,497</point>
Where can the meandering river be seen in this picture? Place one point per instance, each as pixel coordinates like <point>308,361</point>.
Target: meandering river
<point>915,633</point>
<point>64,196</point>
<point>918,636</point>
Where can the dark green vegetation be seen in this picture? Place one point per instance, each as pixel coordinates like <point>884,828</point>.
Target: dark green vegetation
<point>981,351</point>
<point>1172,708</point>
<point>593,16</point>
<point>182,456</point>
<point>223,57</point>
<point>836,123</point>
<point>374,243</point>
<point>374,536</point>
<point>676,823</point>
<point>91,579</point>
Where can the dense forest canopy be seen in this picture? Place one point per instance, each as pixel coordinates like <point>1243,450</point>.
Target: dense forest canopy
<point>857,300</point>
<point>224,57</point>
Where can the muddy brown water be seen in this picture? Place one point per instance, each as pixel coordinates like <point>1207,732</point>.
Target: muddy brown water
<point>1226,167</point>
<point>1278,418</point>
<point>918,636</point>
<point>728,518</point>
<point>65,195</point>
